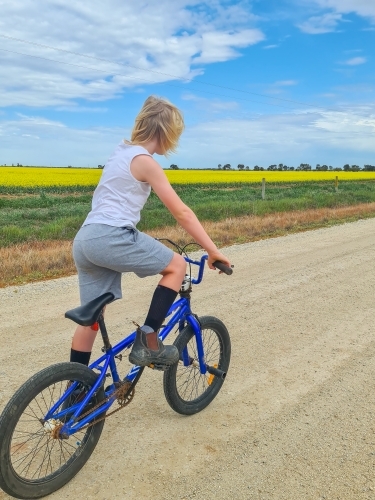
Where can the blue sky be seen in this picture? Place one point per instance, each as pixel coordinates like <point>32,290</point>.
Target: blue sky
<point>288,81</point>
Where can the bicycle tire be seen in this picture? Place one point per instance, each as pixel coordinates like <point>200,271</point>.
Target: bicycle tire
<point>19,442</point>
<point>182,383</point>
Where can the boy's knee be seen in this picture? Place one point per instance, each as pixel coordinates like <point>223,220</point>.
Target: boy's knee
<point>176,266</point>
<point>181,265</point>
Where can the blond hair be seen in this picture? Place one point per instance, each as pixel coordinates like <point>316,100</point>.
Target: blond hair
<point>161,120</point>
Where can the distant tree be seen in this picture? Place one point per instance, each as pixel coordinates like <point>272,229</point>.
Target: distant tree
<point>219,166</point>
<point>99,166</point>
<point>330,167</point>
<point>256,168</point>
<point>356,168</point>
<point>337,169</point>
<point>272,167</point>
<point>247,168</point>
<point>240,166</point>
<point>227,166</point>
<point>261,168</point>
<point>369,168</point>
<point>304,167</point>
<point>346,167</point>
<point>291,168</point>
<point>173,167</point>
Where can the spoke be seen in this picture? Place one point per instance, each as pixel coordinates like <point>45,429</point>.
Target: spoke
<point>65,444</point>
<point>32,452</point>
<point>50,396</point>
<point>20,446</point>
<point>22,458</point>
<point>190,382</point>
<point>28,433</point>
<point>48,406</point>
<point>49,457</point>
<point>37,403</point>
<point>44,457</point>
<point>62,451</point>
<point>35,415</point>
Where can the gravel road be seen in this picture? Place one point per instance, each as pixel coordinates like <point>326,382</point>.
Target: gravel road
<point>295,416</point>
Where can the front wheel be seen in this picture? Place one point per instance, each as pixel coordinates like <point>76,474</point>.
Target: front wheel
<point>34,461</point>
<point>186,389</point>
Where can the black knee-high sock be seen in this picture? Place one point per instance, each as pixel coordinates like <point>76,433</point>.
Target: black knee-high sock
<point>161,301</point>
<point>80,357</point>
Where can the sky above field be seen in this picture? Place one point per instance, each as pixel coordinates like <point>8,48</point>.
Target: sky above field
<point>259,82</point>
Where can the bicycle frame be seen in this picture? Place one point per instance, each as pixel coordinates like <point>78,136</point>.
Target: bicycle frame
<point>182,315</point>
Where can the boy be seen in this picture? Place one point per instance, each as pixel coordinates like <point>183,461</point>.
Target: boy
<point>109,244</point>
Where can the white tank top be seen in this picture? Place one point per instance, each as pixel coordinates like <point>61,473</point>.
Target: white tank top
<point>119,196</point>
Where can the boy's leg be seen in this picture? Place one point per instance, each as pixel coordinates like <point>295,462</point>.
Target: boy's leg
<point>93,281</point>
<point>82,342</point>
<point>147,347</point>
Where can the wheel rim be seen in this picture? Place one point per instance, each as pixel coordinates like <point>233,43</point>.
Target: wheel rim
<point>191,384</point>
<point>34,453</point>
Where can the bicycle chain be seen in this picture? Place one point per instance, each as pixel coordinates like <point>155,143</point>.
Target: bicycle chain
<point>123,395</point>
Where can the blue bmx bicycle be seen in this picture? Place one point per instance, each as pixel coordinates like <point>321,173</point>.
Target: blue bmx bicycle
<point>53,422</point>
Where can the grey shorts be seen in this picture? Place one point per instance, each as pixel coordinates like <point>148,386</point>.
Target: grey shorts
<point>102,253</point>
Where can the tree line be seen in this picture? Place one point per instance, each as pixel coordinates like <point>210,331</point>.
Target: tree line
<point>302,167</point>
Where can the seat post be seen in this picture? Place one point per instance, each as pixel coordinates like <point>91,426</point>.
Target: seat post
<point>103,331</point>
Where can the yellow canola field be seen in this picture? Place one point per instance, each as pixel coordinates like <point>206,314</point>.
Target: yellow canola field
<point>37,176</point>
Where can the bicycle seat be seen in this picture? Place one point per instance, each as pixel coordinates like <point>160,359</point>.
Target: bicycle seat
<point>88,314</point>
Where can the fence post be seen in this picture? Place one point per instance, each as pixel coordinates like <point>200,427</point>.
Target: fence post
<point>337,184</point>
<point>263,188</point>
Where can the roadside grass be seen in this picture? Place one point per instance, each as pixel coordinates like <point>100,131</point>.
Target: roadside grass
<point>34,261</point>
<point>30,215</point>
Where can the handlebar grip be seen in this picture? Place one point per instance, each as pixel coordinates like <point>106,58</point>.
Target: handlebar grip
<point>223,267</point>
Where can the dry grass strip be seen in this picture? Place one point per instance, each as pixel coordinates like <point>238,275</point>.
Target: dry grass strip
<point>35,261</point>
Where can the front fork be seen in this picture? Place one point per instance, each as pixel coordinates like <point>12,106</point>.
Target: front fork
<point>186,359</point>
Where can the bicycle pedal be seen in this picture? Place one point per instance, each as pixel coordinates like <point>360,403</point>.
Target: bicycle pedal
<point>160,367</point>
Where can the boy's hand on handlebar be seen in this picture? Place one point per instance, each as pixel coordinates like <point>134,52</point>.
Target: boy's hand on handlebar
<point>214,256</point>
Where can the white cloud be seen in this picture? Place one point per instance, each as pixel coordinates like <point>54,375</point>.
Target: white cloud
<point>210,105</point>
<point>286,83</point>
<point>317,25</point>
<point>219,47</point>
<point>364,8</point>
<point>280,87</point>
<point>312,136</point>
<point>147,42</point>
<point>355,61</point>
<point>34,140</point>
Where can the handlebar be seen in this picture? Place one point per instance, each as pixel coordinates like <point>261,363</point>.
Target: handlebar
<point>222,267</point>
<point>219,265</point>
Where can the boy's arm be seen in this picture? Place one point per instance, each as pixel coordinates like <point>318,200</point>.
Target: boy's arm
<point>146,169</point>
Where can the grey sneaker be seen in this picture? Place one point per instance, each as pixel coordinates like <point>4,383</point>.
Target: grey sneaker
<point>148,349</point>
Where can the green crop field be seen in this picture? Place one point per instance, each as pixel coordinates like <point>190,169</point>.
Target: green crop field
<point>55,214</point>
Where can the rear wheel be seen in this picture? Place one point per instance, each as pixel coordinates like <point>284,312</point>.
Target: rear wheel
<point>186,389</point>
<point>34,461</point>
